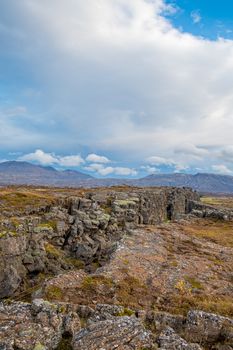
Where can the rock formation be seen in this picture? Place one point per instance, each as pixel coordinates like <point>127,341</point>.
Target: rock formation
<point>80,231</point>
<point>67,282</point>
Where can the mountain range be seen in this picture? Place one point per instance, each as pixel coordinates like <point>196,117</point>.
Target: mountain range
<point>202,182</point>
<point>24,173</point>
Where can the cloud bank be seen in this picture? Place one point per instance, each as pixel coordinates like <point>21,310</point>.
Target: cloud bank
<point>113,77</point>
<point>99,167</point>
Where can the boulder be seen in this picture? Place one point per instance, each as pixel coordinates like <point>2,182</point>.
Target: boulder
<point>169,340</point>
<point>122,333</point>
<point>203,327</point>
<point>36,326</point>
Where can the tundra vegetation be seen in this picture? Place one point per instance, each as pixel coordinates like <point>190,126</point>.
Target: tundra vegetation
<point>118,267</point>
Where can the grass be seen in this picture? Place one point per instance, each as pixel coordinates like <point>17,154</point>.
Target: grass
<point>53,251</point>
<point>221,201</point>
<point>54,293</point>
<point>181,303</point>
<point>220,232</point>
<point>39,346</point>
<point>215,261</point>
<point>126,312</point>
<point>125,202</point>
<point>91,283</point>
<point>194,283</point>
<point>9,234</point>
<point>21,198</point>
<point>49,224</point>
<point>130,291</point>
<point>76,263</point>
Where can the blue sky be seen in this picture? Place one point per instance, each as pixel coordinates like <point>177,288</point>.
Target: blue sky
<point>117,88</point>
<point>211,19</point>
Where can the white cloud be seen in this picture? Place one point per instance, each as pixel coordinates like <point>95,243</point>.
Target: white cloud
<point>116,76</point>
<point>156,160</point>
<point>103,171</point>
<point>196,16</point>
<point>222,169</point>
<point>94,167</point>
<point>44,158</point>
<point>150,169</point>
<point>160,161</point>
<point>124,171</point>
<point>40,157</point>
<point>97,159</point>
<point>70,160</point>
<point>226,154</point>
<point>179,168</point>
<point>191,149</point>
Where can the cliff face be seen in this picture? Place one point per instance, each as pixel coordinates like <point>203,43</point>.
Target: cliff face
<point>80,231</point>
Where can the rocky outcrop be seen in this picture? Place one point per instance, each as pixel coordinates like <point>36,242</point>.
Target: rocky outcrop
<point>202,210</point>
<point>169,340</point>
<point>80,231</point>
<point>123,333</point>
<point>203,327</point>
<point>36,326</point>
<point>43,326</point>
<point>177,332</point>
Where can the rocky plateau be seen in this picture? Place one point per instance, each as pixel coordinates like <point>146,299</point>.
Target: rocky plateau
<point>115,268</point>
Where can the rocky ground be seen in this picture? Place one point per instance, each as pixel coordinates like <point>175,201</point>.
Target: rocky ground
<point>120,268</point>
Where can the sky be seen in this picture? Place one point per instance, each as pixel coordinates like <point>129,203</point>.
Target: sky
<point>117,88</point>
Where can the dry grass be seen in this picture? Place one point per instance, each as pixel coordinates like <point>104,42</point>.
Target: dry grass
<point>221,201</point>
<point>17,200</point>
<point>181,303</point>
<point>220,232</point>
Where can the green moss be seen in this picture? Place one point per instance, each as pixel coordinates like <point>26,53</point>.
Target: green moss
<point>174,263</point>
<point>126,312</point>
<point>15,222</point>
<point>62,309</point>
<point>130,290</point>
<point>77,263</point>
<point>44,225</point>
<point>92,282</point>
<point>49,225</point>
<point>39,346</point>
<point>125,261</point>
<point>3,234</point>
<point>9,233</point>
<point>50,249</point>
<point>193,282</point>
<point>125,202</point>
<point>53,292</point>
<point>13,234</point>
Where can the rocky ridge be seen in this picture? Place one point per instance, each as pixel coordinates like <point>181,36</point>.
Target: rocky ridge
<point>86,234</point>
<point>79,231</point>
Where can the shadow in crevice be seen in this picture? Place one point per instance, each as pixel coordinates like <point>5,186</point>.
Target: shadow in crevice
<point>169,211</point>
<point>65,343</point>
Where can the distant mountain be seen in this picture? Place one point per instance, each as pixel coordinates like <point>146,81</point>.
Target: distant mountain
<point>202,182</point>
<point>24,173</point>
